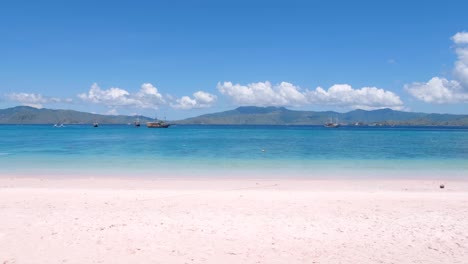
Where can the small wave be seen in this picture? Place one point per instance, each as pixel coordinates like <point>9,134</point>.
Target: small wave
<point>4,153</point>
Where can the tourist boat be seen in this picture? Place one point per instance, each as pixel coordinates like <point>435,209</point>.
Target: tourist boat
<point>95,124</point>
<point>157,124</point>
<point>331,124</point>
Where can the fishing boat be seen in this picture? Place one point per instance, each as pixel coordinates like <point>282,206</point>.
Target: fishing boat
<point>331,124</point>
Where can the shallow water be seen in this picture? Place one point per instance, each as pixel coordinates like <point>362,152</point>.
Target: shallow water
<point>197,150</point>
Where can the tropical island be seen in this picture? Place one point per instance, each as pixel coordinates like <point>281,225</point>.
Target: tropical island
<point>245,115</point>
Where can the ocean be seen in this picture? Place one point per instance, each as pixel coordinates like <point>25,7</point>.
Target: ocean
<point>251,151</point>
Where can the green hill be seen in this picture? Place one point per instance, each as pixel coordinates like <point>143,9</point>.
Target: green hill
<point>30,115</point>
<point>251,115</point>
<point>247,115</point>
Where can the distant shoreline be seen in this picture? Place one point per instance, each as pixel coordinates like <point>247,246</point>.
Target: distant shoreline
<point>246,115</point>
<point>251,125</point>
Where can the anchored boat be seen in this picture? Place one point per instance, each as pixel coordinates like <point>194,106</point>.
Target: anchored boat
<point>157,124</point>
<point>137,122</point>
<point>331,124</point>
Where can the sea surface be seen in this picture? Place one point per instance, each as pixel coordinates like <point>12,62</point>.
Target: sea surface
<point>287,151</point>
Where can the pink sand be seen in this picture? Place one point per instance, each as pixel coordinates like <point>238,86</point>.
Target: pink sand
<point>122,220</point>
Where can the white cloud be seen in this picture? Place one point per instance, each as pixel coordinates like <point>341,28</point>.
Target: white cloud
<point>204,98</point>
<point>438,90</point>
<point>200,100</point>
<point>460,38</point>
<point>111,96</point>
<point>287,94</point>
<point>112,112</point>
<point>364,98</point>
<point>263,94</point>
<point>461,66</point>
<point>442,90</point>
<point>147,97</point>
<point>35,100</point>
<point>185,103</point>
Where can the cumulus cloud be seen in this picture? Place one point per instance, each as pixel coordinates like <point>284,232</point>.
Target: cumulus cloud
<point>263,93</point>
<point>35,100</point>
<point>287,94</point>
<point>460,38</point>
<point>461,65</point>
<point>438,90</point>
<point>364,98</point>
<point>147,97</point>
<point>200,100</point>
<point>112,112</point>
<point>442,90</point>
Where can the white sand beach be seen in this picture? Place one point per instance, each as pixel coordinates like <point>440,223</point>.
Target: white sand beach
<point>124,220</point>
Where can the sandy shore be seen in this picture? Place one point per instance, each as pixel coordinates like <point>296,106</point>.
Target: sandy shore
<point>122,220</point>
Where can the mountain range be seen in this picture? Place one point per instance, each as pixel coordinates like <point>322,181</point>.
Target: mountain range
<point>251,115</point>
<point>30,115</point>
<point>246,115</point>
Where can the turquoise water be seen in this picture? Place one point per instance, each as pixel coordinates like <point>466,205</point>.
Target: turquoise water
<point>196,150</point>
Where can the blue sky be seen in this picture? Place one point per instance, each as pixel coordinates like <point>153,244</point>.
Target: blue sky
<point>186,58</point>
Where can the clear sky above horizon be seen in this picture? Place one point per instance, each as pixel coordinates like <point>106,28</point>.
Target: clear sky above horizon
<point>186,58</point>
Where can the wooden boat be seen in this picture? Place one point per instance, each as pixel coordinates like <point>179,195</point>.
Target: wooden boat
<point>157,124</point>
<point>331,124</point>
